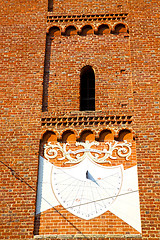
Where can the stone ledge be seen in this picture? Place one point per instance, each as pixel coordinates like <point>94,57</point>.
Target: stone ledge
<point>90,236</point>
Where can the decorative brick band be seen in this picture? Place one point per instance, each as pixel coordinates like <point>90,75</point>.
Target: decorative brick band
<point>86,121</point>
<point>87,17</point>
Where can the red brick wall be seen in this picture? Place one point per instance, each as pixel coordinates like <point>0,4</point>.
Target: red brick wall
<point>23,36</point>
<point>22,58</point>
<point>108,55</point>
<point>145,72</point>
<point>88,7</point>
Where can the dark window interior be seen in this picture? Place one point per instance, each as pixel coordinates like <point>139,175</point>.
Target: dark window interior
<point>87,89</point>
<point>50,5</point>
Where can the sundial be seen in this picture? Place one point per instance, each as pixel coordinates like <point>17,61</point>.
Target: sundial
<point>87,184</point>
<point>86,189</point>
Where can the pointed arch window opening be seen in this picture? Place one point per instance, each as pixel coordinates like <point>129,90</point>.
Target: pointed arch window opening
<point>87,89</point>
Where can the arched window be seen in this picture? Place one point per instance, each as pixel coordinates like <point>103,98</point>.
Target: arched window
<point>86,30</point>
<point>106,135</point>
<point>125,134</point>
<point>87,135</point>
<point>87,89</point>
<point>70,31</point>
<point>103,29</point>
<point>120,28</point>
<point>68,136</point>
<point>54,31</point>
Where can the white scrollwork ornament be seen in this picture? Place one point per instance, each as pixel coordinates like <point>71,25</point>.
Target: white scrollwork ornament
<point>123,149</point>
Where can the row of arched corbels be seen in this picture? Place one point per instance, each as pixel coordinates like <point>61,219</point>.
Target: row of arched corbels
<point>72,135</point>
<point>88,29</point>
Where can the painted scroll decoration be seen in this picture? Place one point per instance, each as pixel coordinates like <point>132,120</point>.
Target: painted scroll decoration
<point>123,149</point>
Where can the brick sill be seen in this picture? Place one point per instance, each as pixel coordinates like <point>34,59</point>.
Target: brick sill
<point>89,236</point>
<point>88,113</point>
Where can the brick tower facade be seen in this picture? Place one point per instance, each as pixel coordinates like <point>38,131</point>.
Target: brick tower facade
<point>79,120</point>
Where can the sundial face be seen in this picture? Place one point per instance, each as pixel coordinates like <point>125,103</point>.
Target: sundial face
<point>88,189</point>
